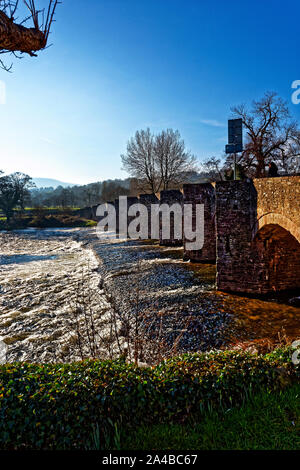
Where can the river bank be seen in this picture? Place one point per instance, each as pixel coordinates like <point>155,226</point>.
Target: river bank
<point>45,274</point>
<point>45,219</point>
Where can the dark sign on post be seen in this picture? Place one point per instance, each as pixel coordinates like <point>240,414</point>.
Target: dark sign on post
<point>230,149</point>
<point>235,136</point>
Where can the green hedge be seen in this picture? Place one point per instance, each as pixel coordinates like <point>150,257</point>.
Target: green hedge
<point>58,406</point>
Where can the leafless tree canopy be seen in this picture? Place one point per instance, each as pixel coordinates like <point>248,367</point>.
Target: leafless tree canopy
<point>173,161</point>
<point>213,169</point>
<point>159,161</point>
<point>20,36</point>
<point>271,136</point>
<point>139,160</point>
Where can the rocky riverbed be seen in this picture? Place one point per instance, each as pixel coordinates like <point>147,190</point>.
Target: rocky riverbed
<point>65,295</point>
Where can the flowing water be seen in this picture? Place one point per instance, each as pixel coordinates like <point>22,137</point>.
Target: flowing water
<point>41,273</point>
<point>45,273</point>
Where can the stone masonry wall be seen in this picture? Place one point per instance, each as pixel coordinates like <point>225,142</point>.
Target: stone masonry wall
<point>130,202</point>
<point>117,208</point>
<point>202,194</point>
<point>149,200</point>
<point>278,201</point>
<point>170,197</point>
<point>258,238</point>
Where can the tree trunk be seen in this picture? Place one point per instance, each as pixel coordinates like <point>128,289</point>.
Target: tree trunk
<point>17,38</point>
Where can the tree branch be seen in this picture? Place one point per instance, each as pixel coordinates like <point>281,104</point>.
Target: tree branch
<point>15,37</point>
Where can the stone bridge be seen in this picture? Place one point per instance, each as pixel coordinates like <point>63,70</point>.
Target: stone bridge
<point>251,231</point>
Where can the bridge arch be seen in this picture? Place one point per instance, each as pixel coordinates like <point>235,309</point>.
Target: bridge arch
<point>277,247</point>
<point>273,218</point>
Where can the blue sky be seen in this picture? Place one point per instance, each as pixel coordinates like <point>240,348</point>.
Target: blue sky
<point>121,65</point>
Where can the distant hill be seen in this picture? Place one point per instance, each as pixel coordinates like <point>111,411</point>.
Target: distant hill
<point>50,183</point>
<point>55,193</point>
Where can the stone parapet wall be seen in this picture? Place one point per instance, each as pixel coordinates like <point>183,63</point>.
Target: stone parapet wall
<point>131,201</point>
<point>149,200</point>
<point>202,194</point>
<point>170,197</point>
<point>117,209</point>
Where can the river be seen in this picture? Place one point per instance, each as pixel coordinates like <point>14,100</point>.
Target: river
<point>60,289</point>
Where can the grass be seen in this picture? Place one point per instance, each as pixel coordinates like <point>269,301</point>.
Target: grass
<point>266,421</point>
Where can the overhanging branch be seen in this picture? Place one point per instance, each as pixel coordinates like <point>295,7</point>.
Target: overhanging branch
<point>15,37</point>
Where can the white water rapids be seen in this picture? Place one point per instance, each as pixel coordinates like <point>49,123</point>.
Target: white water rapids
<point>41,274</point>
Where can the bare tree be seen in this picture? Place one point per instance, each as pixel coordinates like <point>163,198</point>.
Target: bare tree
<point>15,37</point>
<point>139,161</point>
<point>271,136</point>
<point>172,159</point>
<point>213,169</point>
<point>158,161</point>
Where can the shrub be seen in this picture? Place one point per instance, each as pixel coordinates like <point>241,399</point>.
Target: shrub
<point>58,406</point>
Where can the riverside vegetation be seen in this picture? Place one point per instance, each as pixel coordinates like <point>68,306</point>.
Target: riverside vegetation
<point>43,218</point>
<point>56,397</point>
<point>86,405</point>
